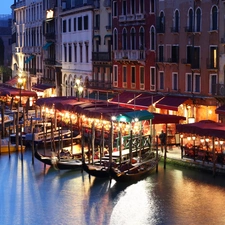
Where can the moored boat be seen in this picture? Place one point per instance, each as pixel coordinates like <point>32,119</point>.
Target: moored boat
<point>65,163</point>
<point>133,172</point>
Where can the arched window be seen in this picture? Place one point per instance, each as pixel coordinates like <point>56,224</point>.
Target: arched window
<point>198,20</point>
<point>124,39</point>
<point>214,18</point>
<point>152,38</point>
<point>133,39</point>
<point>161,24</point>
<point>176,21</point>
<point>141,38</point>
<point>190,20</point>
<point>115,40</point>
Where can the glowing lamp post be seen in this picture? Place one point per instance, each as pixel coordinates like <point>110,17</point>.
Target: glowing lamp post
<point>79,88</point>
<point>20,82</point>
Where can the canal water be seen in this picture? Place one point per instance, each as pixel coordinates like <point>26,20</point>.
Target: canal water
<point>35,194</point>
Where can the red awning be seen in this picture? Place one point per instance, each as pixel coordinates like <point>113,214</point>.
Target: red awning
<point>171,102</point>
<point>42,87</point>
<point>13,81</point>
<point>124,97</point>
<point>220,110</point>
<point>164,118</point>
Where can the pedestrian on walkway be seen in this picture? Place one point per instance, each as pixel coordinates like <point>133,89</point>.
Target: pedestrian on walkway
<point>162,138</point>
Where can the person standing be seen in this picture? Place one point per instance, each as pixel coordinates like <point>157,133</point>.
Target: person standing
<point>162,138</point>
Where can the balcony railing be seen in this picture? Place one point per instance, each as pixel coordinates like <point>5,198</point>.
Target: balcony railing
<point>50,36</point>
<point>99,84</point>
<point>174,30</point>
<point>129,55</point>
<point>189,29</point>
<point>107,3</point>
<point>32,71</point>
<point>211,65</point>
<point>50,61</point>
<point>101,56</point>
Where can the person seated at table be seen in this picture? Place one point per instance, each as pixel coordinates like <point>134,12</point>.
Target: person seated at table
<point>189,145</point>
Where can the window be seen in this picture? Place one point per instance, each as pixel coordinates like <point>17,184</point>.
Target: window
<point>115,75</point>
<point>75,24</point>
<point>198,20</point>
<point>124,7</point>
<point>85,22</point>
<point>176,21</point>
<point>80,23</point>
<point>75,52</point>
<point>214,18</point>
<point>142,75</point>
<point>69,24</point>
<point>141,9</point>
<point>132,5</point>
<point>152,38</point>
<point>175,81</point>
<point>161,54</point>
<point>124,40</point>
<point>213,57</point>
<point>175,54</point>
<point>161,80</point>
<point>70,53</point>
<point>142,38</point>
<point>188,82</point>
<point>133,39</point>
<point>115,40</point>
<point>152,6</point>
<point>114,8</point>
<point>213,81</point>
<point>161,23</point>
<point>97,21</point>
<point>152,78</point>
<point>81,52</point>
<point>124,74</point>
<point>64,26</point>
<point>189,53</point>
<point>196,58</point>
<point>190,20</point>
<point>87,55</point>
<point>133,75</point>
<point>65,53</point>
<point>197,83</point>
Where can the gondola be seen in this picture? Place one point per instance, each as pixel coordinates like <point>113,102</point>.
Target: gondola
<point>133,172</point>
<point>59,164</point>
<point>96,170</point>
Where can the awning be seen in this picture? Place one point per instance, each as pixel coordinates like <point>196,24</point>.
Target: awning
<point>220,110</point>
<point>171,102</point>
<point>13,81</point>
<point>42,87</point>
<point>98,37</point>
<point>47,45</point>
<point>124,97</point>
<point>29,59</point>
<point>165,119</point>
<point>135,115</point>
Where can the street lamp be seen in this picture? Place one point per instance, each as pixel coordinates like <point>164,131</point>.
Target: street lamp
<point>20,82</point>
<point>78,87</point>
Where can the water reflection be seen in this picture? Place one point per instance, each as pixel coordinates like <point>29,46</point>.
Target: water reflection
<point>38,194</point>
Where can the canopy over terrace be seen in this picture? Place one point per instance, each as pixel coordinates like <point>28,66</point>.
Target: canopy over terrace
<point>135,100</point>
<point>207,128</point>
<point>6,90</point>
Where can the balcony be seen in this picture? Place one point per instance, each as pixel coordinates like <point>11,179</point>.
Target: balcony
<point>109,27</point>
<point>122,18</point>
<point>160,60</point>
<point>96,5</point>
<point>222,40</point>
<point>218,89</point>
<point>96,28</point>
<point>186,61</point>
<point>101,56</point>
<point>50,61</point>
<point>103,85</point>
<point>139,16</point>
<point>50,36</point>
<point>129,55</point>
<point>130,17</point>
